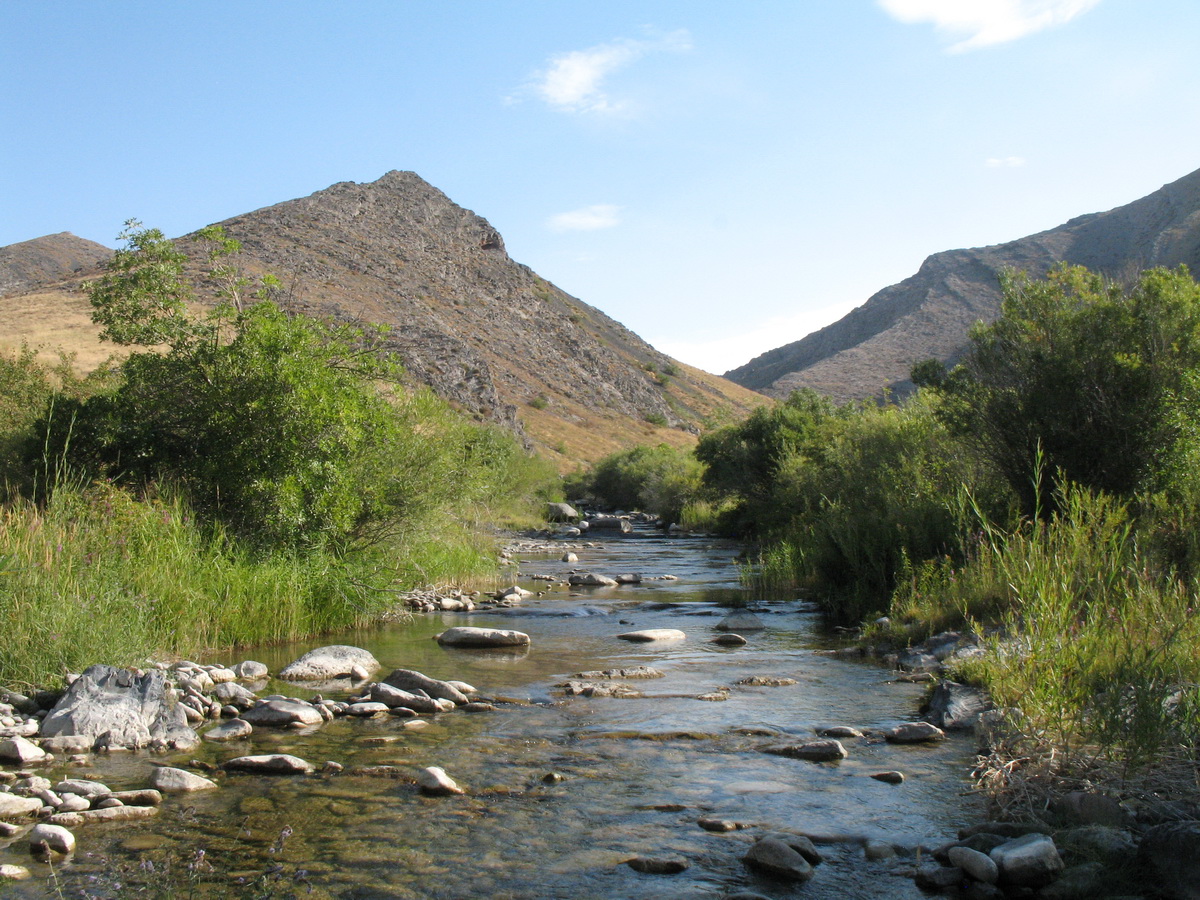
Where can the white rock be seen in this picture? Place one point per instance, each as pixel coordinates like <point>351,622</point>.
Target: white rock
<point>653,634</point>
<point>271,764</point>
<point>434,780</point>
<point>51,837</point>
<point>21,751</point>
<point>178,781</point>
<point>465,636</point>
<point>978,866</point>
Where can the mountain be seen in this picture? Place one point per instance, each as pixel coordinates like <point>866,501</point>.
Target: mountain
<point>874,346</point>
<point>485,332</point>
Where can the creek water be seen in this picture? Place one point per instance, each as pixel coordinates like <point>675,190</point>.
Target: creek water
<point>636,774</point>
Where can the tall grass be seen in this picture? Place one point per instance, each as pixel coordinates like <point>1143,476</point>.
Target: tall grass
<point>96,575</point>
<point>1098,649</point>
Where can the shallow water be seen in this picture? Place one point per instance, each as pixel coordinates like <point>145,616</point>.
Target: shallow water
<point>636,773</point>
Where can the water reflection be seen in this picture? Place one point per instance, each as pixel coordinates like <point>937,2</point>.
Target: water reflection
<point>630,776</point>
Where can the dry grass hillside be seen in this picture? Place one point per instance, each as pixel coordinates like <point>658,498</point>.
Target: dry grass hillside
<point>483,331</point>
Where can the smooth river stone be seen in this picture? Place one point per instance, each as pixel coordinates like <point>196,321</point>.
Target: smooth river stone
<point>270,764</point>
<point>466,636</point>
<point>915,733</point>
<point>653,634</point>
<point>54,838</point>
<point>282,713</point>
<point>814,751</point>
<point>178,781</point>
<point>412,680</point>
<point>229,730</point>
<point>324,663</point>
<point>434,780</point>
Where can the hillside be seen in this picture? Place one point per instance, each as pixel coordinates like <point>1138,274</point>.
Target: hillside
<point>483,331</point>
<point>929,315</point>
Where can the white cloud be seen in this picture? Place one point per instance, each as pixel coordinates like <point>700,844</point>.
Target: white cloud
<point>1004,162</point>
<point>575,81</point>
<point>589,218</point>
<point>719,355</point>
<point>982,23</point>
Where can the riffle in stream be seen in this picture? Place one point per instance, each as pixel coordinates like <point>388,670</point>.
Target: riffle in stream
<point>636,774</point>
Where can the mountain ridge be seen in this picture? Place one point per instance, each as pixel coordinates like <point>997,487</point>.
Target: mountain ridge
<point>483,331</point>
<point>872,348</point>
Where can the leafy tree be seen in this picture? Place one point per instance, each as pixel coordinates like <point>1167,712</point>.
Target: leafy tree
<point>272,423</point>
<point>1077,377</point>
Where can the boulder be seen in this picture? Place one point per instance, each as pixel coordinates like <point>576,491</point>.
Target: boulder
<point>82,787</point>
<point>466,636</point>
<point>249,670</point>
<point>411,680</point>
<point>773,857</point>
<point>516,592</point>
<point>561,512</point>
<point>229,730</point>
<point>729,640</point>
<point>233,694</point>
<point>740,620</point>
<point>10,872</point>
<point>22,752</point>
<point>283,714</point>
<point>395,698</point>
<point>628,578</point>
<point>889,777</point>
<point>814,751</point>
<point>954,706</point>
<point>653,634</point>
<point>51,838</point>
<point>601,689</point>
<point>569,557</point>
<point>1029,861</point>
<point>976,865</point>
<point>325,663</point>
<point>12,806</point>
<point>914,733</point>
<point>178,781</point>
<point>433,780</point>
<point>839,731</point>
<point>125,708</point>
<point>591,579</point>
<point>628,672</point>
<point>270,764</point>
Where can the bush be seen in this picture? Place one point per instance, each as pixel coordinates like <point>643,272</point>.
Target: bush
<point>661,479</point>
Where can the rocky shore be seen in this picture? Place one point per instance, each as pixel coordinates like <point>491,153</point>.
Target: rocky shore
<point>1088,845</point>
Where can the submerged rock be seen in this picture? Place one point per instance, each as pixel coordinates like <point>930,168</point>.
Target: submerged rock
<point>591,579</point>
<point>657,865</point>
<point>772,856</point>
<point>740,620</point>
<point>814,751</point>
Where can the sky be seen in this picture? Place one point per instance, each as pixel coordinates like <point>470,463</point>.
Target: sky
<point>722,178</point>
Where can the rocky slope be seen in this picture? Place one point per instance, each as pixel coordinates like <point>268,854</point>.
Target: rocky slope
<point>928,315</point>
<point>483,331</point>
<point>46,260</point>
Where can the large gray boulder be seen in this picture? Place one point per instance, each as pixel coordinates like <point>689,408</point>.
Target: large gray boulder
<point>327,663</point>
<point>125,708</point>
<point>561,512</point>
<point>955,706</point>
<point>773,857</point>
<point>1029,861</point>
<point>467,636</point>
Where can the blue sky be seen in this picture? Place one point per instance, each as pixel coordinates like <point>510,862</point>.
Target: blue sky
<point>720,177</point>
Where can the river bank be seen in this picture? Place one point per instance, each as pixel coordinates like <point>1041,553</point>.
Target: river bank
<point>563,789</point>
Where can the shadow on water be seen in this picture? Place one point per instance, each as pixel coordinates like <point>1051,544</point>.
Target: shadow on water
<point>562,791</point>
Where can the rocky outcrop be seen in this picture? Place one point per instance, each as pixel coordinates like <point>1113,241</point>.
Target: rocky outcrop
<point>928,315</point>
<point>121,708</point>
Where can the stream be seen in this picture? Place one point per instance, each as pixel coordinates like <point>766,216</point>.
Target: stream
<point>628,777</point>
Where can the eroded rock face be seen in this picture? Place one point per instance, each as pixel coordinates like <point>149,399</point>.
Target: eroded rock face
<point>124,707</point>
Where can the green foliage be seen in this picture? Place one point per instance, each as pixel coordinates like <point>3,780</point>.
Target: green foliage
<point>1096,646</point>
<point>743,461</point>
<point>877,489</point>
<point>1081,370</point>
<point>541,401</point>
<point>656,419</point>
<point>661,479</point>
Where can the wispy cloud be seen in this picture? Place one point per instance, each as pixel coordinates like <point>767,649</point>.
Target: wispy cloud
<point>1004,162</point>
<point>589,218</point>
<point>575,81</point>
<point>981,23</point>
